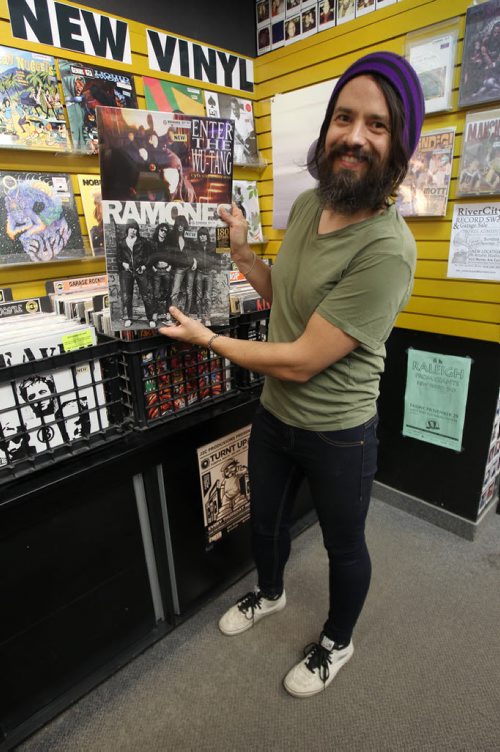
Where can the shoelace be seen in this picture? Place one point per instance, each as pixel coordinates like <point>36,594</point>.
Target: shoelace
<point>249,603</point>
<point>318,658</point>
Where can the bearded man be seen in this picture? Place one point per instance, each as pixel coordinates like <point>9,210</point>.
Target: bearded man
<point>344,271</point>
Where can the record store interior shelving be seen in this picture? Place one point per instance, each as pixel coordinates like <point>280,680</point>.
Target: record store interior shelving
<point>464,308</point>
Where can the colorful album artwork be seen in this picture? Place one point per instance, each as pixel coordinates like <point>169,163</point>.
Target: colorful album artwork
<point>480,69</point>
<point>166,96</point>
<point>162,156</point>
<point>246,198</point>
<point>38,218</point>
<point>479,172</point>
<point>424,191</point>
<point>31,112</point>
<point>240,111</point>
<point>84,89</point>
<point>90,191</point>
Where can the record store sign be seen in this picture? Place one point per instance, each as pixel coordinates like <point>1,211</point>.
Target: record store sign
<point>70,28</point>
<point>178,56</point>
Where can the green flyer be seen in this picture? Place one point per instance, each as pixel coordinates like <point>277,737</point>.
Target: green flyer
<point>436,397</point>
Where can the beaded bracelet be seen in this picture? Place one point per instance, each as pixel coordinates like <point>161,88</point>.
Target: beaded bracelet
<point>209,343</point>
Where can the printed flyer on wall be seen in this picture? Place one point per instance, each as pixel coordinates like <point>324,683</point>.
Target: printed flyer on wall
<point>475,242</point>
<point>225,489</point>
<point>436,398</point>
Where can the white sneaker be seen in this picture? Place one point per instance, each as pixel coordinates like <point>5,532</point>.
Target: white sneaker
<point>317,670</point>
<point>127,323</point>
<point>248,611</point>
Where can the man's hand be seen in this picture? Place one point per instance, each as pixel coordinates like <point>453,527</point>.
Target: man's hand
<point>186,330</point>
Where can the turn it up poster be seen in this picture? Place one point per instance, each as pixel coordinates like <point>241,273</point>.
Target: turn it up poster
<point>225,489</point>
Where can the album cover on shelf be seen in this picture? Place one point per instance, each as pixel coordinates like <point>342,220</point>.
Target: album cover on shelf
<point>424,191</point>
<point>31,112</point>
<point>162,156</point>
<point>38,218</point>
<point>246,197</point>
<point>85,88</point>
<point>50,408</point>
<point>431,52</point>
<point>480,69</point>
<point>240,112</point>
<point>162,254</point>
<point>167,96</point>
<point>90,191</point>
<point>479,171</point>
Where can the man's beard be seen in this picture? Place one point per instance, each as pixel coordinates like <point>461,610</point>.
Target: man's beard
<point>346,192</point>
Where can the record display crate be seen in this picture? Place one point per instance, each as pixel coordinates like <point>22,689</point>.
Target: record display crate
<point>252,327</point>
<point>59,407</point>
<point>163,378</point>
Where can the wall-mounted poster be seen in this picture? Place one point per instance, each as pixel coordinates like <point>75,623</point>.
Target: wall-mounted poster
<point>225,487</point>
<point>167,96</point>
<point>90,191</point>
<point>161,254</point>
<point>164,156</point>
<point>240,111</point>
<point>246,198</point>
<point>38,218</point>
<point>436,398</point>
<point>479,172</point>
<point>480,69</point>
<point>296,118</point>
<point>85,88</point>
<point>31,112</point>
<point>431,52</point>
<point>424,191</point>
<point>475,242</point>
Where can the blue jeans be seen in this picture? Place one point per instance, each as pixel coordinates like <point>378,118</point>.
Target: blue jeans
<point>339,467</point>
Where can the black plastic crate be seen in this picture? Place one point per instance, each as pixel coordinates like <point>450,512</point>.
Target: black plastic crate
<point>59,406</point>
<point>163,378</point>
<point>252,327</point>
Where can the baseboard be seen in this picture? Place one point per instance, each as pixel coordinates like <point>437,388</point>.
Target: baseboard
<point>428,512</point>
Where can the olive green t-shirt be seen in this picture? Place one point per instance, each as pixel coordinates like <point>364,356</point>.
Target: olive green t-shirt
<point>357,278</point>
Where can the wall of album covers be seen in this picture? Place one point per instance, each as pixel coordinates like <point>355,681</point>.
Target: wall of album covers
<point>452,193</point>
<point>58,65</point>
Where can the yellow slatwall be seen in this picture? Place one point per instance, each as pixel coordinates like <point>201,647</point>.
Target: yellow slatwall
<point>29,280</point>
<point>440,305</point>
<point>455,307</point>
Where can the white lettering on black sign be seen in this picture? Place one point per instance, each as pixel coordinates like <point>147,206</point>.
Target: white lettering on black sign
<point>61,25</point>
<point>182,58</point>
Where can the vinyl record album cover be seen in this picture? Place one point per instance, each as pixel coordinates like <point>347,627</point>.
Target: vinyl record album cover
<point>479,172</point>
<point>424,191</point>
<point>246,197</point>
<point>164,156</point>
<point>162,254</point>
<point>31,112</point>
<point>167,96</point>
<point>480,69</point>
<point>90,191</point>
<point>38,218</point>
<point>85,88</point>
<point>240,111</point>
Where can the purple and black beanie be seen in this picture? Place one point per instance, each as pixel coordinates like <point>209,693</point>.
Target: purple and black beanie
<point>402,77</point>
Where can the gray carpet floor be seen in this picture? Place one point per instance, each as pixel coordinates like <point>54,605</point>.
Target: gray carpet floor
<point>425,674</point>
